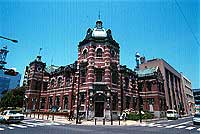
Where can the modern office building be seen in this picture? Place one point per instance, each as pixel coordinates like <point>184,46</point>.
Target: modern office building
<point>9,79</point>
<point>174,92</point>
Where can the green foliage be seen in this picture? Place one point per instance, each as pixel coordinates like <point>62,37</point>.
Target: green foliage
<point>147,115</point>
<point>13,98</point>
<point>135,116</point>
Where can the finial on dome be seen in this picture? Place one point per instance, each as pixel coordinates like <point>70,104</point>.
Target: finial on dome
<point>99,16</point>
<point>99,22</point>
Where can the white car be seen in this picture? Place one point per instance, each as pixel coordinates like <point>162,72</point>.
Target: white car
<point>172,114</point>
<point>12,116</point>
<point>196,119</point>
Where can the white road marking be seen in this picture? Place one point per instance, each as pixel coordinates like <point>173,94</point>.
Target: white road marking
<point>30,125</point>
<point>143,124</point>
<point>198,129</point>
<point>48,124</point>
<point>20,126</point>
<point>1,129</point>
<point>184,123</point>
<point>190,128</point>
<point>151,125</point>
<point>170,126</point>
<point>159,126</point>
<point>181,127</point>
<point>11,128</point>
<point>164,121</point>
<point>55,124</point>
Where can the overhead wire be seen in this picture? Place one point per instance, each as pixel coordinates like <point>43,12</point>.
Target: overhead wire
<point>186,21</point>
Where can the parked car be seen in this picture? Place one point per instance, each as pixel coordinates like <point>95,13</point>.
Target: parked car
<point>172,114</point>
<point>1,119</point>
<point>196,119</point>
<point>12,116</point>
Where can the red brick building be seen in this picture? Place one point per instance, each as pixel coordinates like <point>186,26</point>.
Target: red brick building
<point>103,85</point>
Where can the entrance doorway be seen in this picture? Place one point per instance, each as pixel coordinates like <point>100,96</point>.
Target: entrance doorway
<point>99,109</point>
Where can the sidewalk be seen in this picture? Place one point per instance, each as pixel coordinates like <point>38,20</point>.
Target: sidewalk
<point>64,120</point>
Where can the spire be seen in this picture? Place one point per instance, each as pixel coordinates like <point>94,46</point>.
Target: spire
<point>99,22</point>
<point>40,51</point>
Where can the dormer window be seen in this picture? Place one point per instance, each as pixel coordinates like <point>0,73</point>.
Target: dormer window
<point>85,54</point>
<point>99,52</point>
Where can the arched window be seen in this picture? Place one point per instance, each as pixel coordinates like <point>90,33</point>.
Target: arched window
<point>59,82</point>
<point>52,82</point>
<point>99,52</point>
<point>85,54</point>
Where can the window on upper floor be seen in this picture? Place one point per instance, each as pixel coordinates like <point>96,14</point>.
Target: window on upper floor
<point>85,54</point>
<point>149,85</point>
<point>112,53</point>
<point>67,82</point>
<point>83,75</point>
<point>45,84</point>
<point>126,83</point>
<point>52,83</point>
<point>99,52</point>
<point>99,75</point>
<point>114,77</point>
<point>60,82</point>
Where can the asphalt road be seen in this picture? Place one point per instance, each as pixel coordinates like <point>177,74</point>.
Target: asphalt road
<point>180,126</point>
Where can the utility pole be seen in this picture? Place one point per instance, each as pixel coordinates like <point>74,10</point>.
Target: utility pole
<point>4,51</point>
<point>137,56</point>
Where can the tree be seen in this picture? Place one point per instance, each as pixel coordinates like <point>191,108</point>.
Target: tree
<point>13,98</point>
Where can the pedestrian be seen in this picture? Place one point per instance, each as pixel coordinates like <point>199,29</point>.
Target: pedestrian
<point>71,115</point>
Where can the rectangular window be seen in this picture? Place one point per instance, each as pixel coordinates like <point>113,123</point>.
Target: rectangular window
<point>114,102</point>
<point>98,76</point>
<point>50,102</point>
<point>151,101</point>
<point>42,103</point>
<point>149,85</point>
<point>127,102</point>
<point>66,102</point>
<point>45,84</point>
<point>57,101</point>
<point>83,75</point>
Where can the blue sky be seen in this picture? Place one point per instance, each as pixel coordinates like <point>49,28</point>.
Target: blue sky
<point>156,29</point>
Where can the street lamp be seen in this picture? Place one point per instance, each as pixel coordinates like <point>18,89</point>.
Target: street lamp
<point>122,90</point>
<point>15,41</point>
<point>80,67</point>
<point>137,56</point>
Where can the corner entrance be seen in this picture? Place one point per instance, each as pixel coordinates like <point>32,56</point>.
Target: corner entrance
<point>99,101</point>
<point>99,109</point>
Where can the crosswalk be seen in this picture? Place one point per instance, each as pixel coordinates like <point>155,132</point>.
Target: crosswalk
<point>27,124</point>
<point>185,125</point>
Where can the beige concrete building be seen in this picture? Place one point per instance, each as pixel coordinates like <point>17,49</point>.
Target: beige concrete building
<point>187,87</point>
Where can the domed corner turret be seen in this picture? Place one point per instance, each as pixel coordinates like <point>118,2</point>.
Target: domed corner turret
<point>99,31</point>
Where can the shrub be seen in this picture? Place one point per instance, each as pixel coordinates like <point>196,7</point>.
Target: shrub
<point>136,116</point>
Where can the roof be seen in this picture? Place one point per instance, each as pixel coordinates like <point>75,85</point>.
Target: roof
<point>51,68</point>
<point>147,71</point>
